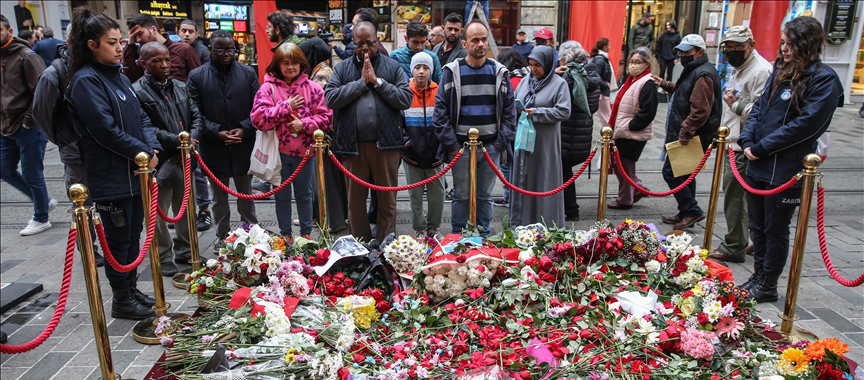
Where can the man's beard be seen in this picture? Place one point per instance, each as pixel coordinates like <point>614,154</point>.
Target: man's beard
<point>453,41</point>
<point>274,38</point>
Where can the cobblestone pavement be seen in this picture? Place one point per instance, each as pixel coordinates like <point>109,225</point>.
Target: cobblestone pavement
<point>826,308</point>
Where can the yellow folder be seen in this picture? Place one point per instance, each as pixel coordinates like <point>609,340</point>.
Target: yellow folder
<point>684,158</point>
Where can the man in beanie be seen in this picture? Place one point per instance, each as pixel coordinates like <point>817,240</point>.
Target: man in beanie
<point>694,110</point>
<point>420,152</point>
<point>749,76</point>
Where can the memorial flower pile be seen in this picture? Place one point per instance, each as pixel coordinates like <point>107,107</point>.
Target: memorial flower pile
<point>612,302</point>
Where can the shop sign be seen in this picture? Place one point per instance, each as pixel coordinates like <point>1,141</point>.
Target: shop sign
<point>839,21</point>
<point>164,8</point>
<point>336,16</point>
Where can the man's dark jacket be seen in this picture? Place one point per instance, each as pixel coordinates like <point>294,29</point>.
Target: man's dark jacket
<point>171,111</point>
<point>50,111</point>
<point>780,133</point>
<point>202,50</point>
<point>345,87</point>
<point>680,107</point>
<point>224,97</point>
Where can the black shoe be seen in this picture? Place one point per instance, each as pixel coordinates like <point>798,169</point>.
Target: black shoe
<point>127,307</point>
<point>100,260</point>
<point>204,220</point>
<point>3,337</point>
<point>754,279</point>
<point>139,296</point>
<point>572,218</point>
<point>766,290</point>
<point>186,261</point>
<point>169,269</point>
<point>449,196</point>
<point>170,226</point>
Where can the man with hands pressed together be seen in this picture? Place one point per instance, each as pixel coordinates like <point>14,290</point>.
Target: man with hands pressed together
<point>224,90</point>
<point>694,110</point>
<point>367,93</point>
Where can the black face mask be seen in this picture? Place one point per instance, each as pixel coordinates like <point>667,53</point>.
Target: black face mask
<point>736,58</point>
<point>685,60</point>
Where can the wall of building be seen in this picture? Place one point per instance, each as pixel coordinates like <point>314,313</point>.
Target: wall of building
<point>842,58</point>
<point>539,14</point>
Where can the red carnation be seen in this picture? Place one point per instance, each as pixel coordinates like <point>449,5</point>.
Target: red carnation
<point>703,318</point>
<point>460,259</point>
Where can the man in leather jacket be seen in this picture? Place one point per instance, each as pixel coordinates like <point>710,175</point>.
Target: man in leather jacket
<point>166,101</point>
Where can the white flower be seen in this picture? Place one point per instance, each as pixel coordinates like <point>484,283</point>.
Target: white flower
<point>226,267</point>
<point>212,263</point>
<point>652,266</point>
<point>208,282</point>
<point>525,254</point>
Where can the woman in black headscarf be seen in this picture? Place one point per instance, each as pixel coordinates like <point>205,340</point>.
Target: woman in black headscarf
<point>547,103</point>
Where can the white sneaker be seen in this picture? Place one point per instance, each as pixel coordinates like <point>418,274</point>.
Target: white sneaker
<point>34,227</point>
<point>51,204</point>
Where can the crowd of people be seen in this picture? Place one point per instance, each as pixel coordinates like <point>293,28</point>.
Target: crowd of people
<point>103,104</point>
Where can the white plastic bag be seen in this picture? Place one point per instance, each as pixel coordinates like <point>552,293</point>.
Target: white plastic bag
<point>265,162</point>
<point>822,145</point>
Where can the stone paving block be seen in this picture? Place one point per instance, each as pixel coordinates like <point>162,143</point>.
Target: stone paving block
<point>137,371</point>
<point>148,356</point>
<point>799,311</point>
<point>15,321</point>
<point>48,366</point>
<point>9,264</point>
<point>123,359</point>
<point>74,372</point>
<point>11,373</point>
<point>847,294</point>
<point>836,321</point>
<point>78,338</point>
<point>120,327</point>
<point>857,338</point>
<point>40,303</point>
<point>29,358</point>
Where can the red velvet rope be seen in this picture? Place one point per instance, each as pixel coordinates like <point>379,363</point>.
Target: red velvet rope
<point>617,158</point>
<point>747,187</point>
<point>61,302</point>
<point>268,194</point>
<point>545,193</point>
<point>151,228</point>
<point>154,191</point>
<point>395,188</point>
<point>823,243</point>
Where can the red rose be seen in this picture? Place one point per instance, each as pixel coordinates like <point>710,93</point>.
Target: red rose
<point>546,263</point>
<point>585,334</point>
<point>531,261</point>
<point>548,277</point>
<point>460,259</point>
<point>349,292</point>
<point>313,261</point>
<point>382,306</point>
<point>581,309</point>
<point>339,277</point>
<point>686,294</point>
<point>324,254</point>
<point>343,373</point>
<point>703,318</point>
<point>359,358</point>
<point>349,282</point>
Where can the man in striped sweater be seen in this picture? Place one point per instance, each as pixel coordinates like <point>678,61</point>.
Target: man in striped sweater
<point>475,92</point>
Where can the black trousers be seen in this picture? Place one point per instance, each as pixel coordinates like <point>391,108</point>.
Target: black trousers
<point>666,67</point>
<point>686,198</point>
<point>571,209</point>
<point>123,221</point>
<point>770,218</point>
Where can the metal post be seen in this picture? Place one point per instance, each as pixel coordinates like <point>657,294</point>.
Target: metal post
<point>473,134</point>
<point>605,159</point>
<point>145,331</point>
<point>715,186</point>
<point>322,184</point>
<point>78,194</point>
<point>181,279</point>
<point>811,162</point>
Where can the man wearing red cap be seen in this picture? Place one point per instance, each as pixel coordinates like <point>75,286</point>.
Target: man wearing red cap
<point>545,37</point>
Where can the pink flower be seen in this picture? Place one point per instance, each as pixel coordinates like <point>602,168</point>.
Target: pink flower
<point>693,343</point>
<point>729,327</point>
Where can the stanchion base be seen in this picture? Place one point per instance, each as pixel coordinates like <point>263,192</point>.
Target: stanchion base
<point>796,335</point>
<point>145,331</point>
<point>181,279</point>
<point>119,377</point>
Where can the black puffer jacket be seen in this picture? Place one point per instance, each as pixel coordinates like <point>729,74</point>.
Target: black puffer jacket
<point>601,63</point>
<point>577,131</point>
<point>596,86</point>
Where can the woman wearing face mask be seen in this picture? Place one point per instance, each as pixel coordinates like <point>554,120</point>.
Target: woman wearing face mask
<point>113,129</point>
<point>547,103</point>
<point>633,122</point>
<point>794,110</point>
<point>294,106</point>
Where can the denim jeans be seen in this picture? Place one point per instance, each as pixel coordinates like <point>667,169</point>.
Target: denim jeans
<point>302,185</point>
<point>686,198</point>
<point>485,182</point>
<point>505,168</point>
<point>202,191</point>
<point>470,4</point>
<point>27,146</point>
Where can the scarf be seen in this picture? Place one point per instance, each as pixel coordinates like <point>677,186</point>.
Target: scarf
<point>613,85</point>
<point>579,96</point>
<point>630,80</point>
<point>546,56</point>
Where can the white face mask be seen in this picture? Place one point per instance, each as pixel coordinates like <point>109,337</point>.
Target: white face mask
<point>636,69</point>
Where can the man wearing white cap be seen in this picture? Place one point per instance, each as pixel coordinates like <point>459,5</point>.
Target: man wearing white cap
<point>749,76</point>
<point>421,148</point>
<point>694,110</point>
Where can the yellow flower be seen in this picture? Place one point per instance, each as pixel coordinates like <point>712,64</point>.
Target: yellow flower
<point>793,361</point>
<point>289,356</point>
<point>697,290</point>
<point>688,306</point>
<point>703,254</point>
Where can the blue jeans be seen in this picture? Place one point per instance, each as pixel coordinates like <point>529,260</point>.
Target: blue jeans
<point>686,198</point>
<point>485,182</point>
<point>202,191</point>
<point>28,147</point>
<point>484,3</point>
<point>505,168</point>
<point>302,185</point>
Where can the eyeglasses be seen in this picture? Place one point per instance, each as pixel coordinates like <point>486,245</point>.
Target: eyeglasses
<point>224,51</point>
<point>737,48</point>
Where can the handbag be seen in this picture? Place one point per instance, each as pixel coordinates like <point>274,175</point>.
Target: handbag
<point>266,162</point>
<point>525,134</point>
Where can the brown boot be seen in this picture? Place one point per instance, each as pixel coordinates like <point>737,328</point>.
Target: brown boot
<point>716,255</point>
<point>688,221</point>
<point>749,250</point>
<point>673,219</point>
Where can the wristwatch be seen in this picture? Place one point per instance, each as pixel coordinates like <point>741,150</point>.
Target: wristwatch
<point>378,82</point>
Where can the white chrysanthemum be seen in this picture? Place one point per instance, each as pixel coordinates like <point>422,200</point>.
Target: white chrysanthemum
<point>652,266</point>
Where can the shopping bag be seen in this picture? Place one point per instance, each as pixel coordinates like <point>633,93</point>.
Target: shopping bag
<point>822,145</point>
<point>525,134</point>
<point>265,161</point>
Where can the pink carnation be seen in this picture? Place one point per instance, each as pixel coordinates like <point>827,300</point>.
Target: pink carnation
<point>693,343</point>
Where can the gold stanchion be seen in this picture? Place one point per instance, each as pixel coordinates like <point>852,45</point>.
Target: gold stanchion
<point>145,331</point>
<point>605,158</point>
<point>181,279</point>
<point>78,194</point>
<point>322,185</point>
<point>473,134</point>
<point>811,162</point>
<point>715,186</point>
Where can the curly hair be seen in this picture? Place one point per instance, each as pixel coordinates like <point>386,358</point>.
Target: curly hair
<point>282,22</point>
<point>572,51</point>
<point>806,40</point>
<point>416,29</point>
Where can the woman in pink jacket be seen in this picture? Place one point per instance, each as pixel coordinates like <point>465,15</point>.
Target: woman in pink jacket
<point>294,106</point>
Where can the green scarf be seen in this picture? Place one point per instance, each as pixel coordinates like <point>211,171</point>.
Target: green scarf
<point>294,39</point>
<point>579,94</point>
